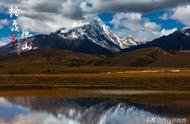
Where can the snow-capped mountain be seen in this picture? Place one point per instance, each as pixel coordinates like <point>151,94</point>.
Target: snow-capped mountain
<point>98,33</point>
<point>93,37</point>
<point>128,42</point>
<point>177,41</point>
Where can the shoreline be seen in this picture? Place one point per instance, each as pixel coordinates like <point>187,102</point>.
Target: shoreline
<point>159,91</point>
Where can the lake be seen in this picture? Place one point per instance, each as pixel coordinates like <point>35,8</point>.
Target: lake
<point>58,110</point>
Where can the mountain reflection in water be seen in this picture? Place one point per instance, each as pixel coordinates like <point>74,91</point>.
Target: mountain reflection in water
<point>36,110</point>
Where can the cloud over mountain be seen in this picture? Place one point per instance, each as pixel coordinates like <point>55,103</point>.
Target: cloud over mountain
<point>56,13</point>
<point>136,5</point>
<point>182,14</point>
<point>45,16</point>
<point>138,27</point>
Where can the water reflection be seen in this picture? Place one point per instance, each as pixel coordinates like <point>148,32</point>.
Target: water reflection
<point>34,110</point>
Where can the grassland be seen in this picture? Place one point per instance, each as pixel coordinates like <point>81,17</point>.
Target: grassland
<point>67,74</point>
<point>108,80</point>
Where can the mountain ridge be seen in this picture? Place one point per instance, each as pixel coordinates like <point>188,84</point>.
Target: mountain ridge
<point>177,41</point>
<point>93,38</point>
<point>96,38</point>
<point>56,60</point>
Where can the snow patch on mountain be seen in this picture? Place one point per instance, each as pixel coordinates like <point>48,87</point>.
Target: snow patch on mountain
<point>128,42</point>
<point>98,33</point>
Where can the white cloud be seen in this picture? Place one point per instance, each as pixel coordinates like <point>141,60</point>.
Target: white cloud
<point>4,41</point>
<point>136,5</point>
<point>46,26</point>
<point>3,23</point>
<point>152,26</point>
<point>167,31</point>
<point>182,14</point>
<point>138,27</point>
<point>165,16</point>
<point>37,17</point>
<point>44,16</point>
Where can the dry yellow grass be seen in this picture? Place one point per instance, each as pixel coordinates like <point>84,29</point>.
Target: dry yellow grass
<point>111,80</point>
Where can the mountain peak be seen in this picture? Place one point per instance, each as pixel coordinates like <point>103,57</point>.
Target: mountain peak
<point>92,37</point>
<point>186,31</point>
<point>100,25</point>
<point>95,23</point>
<point>98,22</point>
<point>97,32</point>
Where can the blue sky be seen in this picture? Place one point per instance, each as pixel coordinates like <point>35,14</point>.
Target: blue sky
<point>4,31</point>
<point>144,21</point>
<point>169,23</point>
<point>153,16</point>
